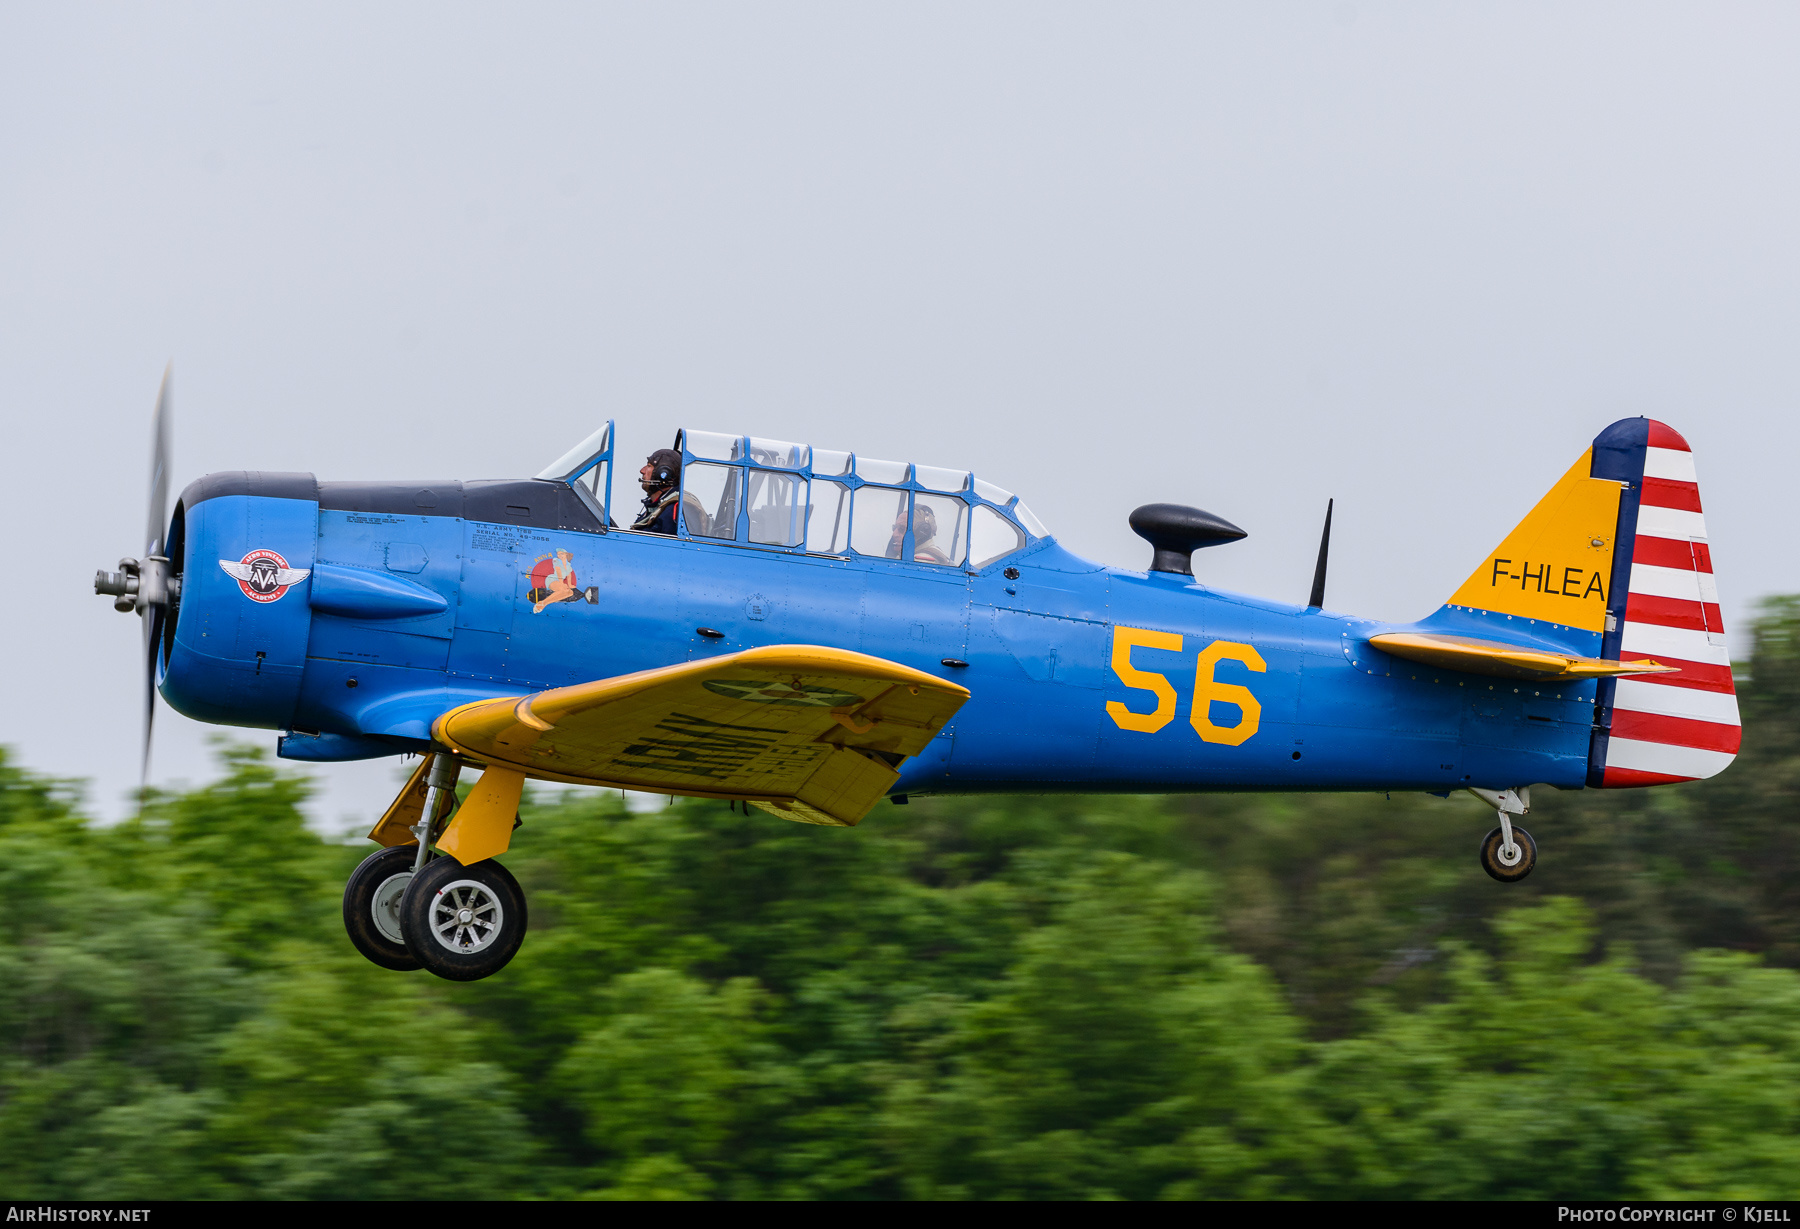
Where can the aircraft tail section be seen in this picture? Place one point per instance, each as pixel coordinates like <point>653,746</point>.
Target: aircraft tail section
<point>1614,562</point>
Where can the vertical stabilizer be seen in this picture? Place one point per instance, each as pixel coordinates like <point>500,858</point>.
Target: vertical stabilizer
<point>1556,566</point>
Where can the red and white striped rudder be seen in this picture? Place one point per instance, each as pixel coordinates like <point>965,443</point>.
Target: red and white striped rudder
<point>1660,728</point>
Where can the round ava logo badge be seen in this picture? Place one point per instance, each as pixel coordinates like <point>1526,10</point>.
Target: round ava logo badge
<point>264,575</point>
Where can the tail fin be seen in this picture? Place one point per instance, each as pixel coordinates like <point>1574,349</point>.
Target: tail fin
<point>1556,567</point>
<point>1618,550</point>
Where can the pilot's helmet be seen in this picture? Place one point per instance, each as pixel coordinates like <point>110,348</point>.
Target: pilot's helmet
<point>665,465</point>
<point>924,524</point>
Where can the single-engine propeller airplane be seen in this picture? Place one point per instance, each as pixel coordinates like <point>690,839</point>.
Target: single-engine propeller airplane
<point>809,631</point>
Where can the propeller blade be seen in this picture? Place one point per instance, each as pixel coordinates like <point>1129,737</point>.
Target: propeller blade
<point>153,608</point>
<point>159,469</point>
<point>153,627</point>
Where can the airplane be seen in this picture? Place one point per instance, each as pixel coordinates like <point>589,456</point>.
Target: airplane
<point>822,630</point>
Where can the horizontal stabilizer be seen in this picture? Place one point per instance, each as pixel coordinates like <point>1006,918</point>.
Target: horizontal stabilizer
<point>1501,660</point>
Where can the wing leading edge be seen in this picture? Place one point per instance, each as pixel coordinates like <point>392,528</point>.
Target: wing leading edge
<point>808,733</point>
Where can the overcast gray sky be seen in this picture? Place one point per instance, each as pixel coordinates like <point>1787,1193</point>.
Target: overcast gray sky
<point>1245,256</point>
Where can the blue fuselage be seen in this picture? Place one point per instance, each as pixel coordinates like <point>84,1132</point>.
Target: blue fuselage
<point>343,655</point>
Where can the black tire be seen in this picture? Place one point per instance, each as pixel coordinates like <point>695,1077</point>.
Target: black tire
<point>371,906</point>
<point>1490,855</point>
<point>479,943</point>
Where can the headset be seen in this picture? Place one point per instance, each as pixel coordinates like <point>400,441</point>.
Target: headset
<point>661,472</point>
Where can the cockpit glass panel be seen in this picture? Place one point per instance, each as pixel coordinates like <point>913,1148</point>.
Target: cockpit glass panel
<point>598,481</point>
<point>871,470</point>
<point>825,461</point>
<point>573,461</point>
<point>777,508</point>
<point>1033,526</point>
<point>777,453</point>
<point>709,499</point>
<point>993,537</point>
<point>712,445</point>
<point>993,494</point>
<point>934,479</point>
<point>879,522</point>
<point>938,524</point>
<point>828,519</point>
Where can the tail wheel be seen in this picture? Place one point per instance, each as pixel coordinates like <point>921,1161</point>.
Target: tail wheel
<point>372,906</point>
<point>461,922</point>
<point>1508,865</point>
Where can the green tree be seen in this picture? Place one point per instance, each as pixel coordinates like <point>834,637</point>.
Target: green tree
<point>1545,1076</point>
<point>670,1080</point>
<point>415,1130</point>
<point>112,1003</point>
<point>1123,1054</point>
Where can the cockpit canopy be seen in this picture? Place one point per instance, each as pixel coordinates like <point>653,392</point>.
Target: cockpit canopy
<point>774,495</point>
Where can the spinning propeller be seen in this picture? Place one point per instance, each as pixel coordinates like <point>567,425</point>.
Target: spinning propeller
<point>148,585</point>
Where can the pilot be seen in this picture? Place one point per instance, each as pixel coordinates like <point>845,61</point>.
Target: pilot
<point>924,530</point>
<point>661,479</point>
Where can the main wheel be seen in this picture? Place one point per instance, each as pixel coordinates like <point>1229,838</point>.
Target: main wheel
<point>372,906</point>
<point>463,922</point>
<point>1493,855</point>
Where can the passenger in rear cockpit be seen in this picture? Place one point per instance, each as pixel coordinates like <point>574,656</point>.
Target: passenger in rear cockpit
<point>661,479</point>
<point>924,530</point>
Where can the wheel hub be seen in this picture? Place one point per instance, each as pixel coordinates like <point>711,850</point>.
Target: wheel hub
<point>466,916</point>
<point>384,906</point>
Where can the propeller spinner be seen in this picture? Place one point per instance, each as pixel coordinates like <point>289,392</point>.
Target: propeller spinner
<point>147,585</point>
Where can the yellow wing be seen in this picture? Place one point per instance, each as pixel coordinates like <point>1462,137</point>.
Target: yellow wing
<point>811,734</point>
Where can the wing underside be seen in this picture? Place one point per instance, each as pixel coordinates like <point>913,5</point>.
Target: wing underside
<point>812,734</point>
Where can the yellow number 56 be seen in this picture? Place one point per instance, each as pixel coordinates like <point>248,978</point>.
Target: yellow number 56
<point>1206,688</point>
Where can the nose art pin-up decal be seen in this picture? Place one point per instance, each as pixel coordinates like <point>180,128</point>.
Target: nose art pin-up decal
<point>264,575</point>
<point>553,580</point>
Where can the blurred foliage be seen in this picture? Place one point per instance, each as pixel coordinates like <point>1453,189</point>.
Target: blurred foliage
<point>1068,997</point>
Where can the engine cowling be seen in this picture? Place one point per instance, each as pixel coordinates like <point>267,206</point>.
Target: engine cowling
<point>243,546</point>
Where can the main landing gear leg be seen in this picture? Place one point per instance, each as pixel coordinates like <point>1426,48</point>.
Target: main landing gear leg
<point>442,777</point>
<point>463,915</point>
<point>1508,853</point>
<point>459,914</point>
<point>373,895</point>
